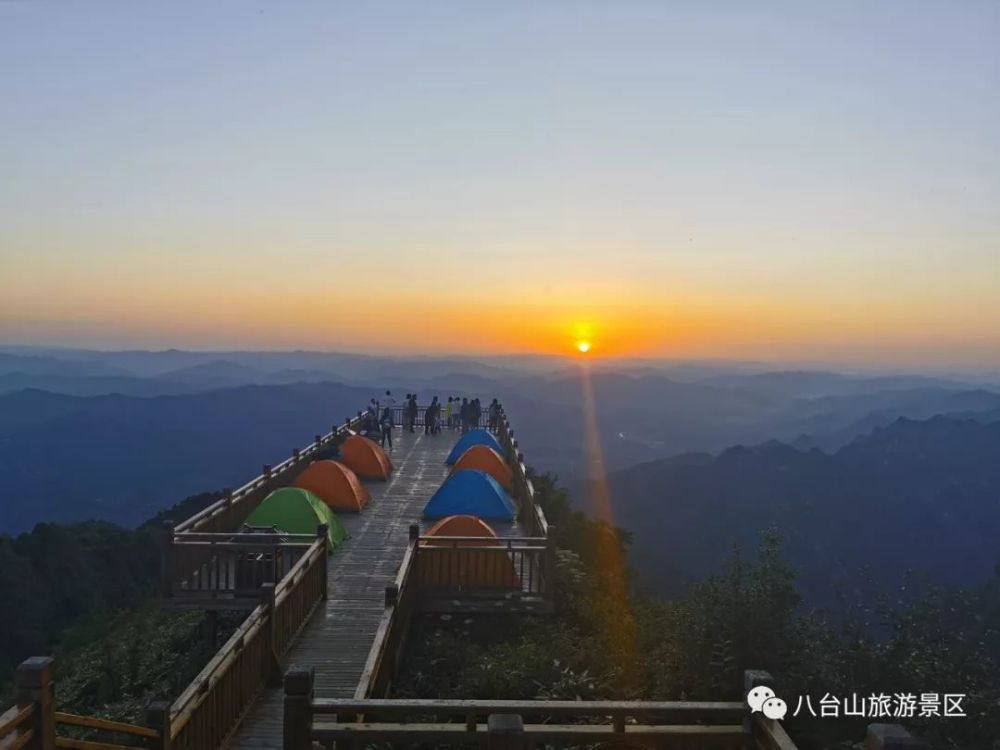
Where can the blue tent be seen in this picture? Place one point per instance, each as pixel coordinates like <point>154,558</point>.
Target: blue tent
<point>471,492</point>
<point>471,438</point>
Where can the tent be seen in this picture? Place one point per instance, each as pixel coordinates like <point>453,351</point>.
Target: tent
<point>471,492</point>
<point>335,485</point>
<point>486,459</point>
<point>365,458</point>
<point>471,438</point>
<point>449,565</point>
<point>297,511</point>
<point>461,526</point>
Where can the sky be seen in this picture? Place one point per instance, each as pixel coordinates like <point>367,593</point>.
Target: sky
<point>800,180</point>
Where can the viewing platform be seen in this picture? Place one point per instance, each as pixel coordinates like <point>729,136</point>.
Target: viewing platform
<point>337,639</point>
<point>313,662</point>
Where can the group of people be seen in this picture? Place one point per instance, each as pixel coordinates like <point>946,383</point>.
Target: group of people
<point>457,413</point>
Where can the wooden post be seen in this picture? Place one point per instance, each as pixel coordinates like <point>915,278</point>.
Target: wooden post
<point>167,560</point>
<point>271,666</point>
<point>296,455</point>
<point>891,737</point>
<point>297,729</point>
<point>751,679</point>
<point>391,595</point>
<point>158,718</point>
<point>322,532</point>
<point>505,732</point>
<point>34,685</point>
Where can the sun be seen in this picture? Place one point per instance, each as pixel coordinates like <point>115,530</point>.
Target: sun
<point>583,346</point>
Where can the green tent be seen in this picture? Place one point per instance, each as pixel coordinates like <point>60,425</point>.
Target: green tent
<point>296,511</point>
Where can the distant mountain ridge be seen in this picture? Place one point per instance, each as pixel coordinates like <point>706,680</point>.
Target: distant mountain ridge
<point>920,495</point>
<point>122,459</point>
<point>185,402</point>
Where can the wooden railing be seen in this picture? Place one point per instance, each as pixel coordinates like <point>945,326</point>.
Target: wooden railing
<point>17,726</point>
<point>203,570</point>
<point>90,726</point>
<point>229,513</point>
<point>532,517</point>
<point>34,724</point>
<point>507,724</point>
<point>209,710</point>
<point>519,725</point>
<point>477,566</point>
<point>456,574</point>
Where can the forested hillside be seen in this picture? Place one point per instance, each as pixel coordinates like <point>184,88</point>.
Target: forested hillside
<point>608,641</point>
<point>921,496</point>
<point>69,587</point>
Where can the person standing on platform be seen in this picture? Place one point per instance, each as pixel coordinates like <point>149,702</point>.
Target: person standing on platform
<point>411,412</point>
<point>494,415</point>
<point>386,427</point>
<point>464,415</point>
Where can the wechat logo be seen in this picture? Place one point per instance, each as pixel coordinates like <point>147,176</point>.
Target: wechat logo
<point>763,700</point>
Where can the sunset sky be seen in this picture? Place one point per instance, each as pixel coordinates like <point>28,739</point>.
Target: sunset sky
<point>789,181</point>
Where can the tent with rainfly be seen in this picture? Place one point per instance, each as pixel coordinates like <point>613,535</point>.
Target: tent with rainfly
<point>335,485</point>
<point>471,492</point>
<point>298,511</point>
<point>448,564</point>
<point>486,459</point>
<point>365,458</point>
<point>471,438</point>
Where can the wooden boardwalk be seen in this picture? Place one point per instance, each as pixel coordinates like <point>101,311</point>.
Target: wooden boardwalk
<point>339,635</point>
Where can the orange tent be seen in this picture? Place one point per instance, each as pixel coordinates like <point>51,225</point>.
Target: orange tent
<point>462,526</point>
<point>335,484</point>
<point>486,459</point>
<point>365,458</point>
<point>464,565</point>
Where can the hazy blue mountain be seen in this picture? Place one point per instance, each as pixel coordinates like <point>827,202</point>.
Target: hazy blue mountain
<point>122,458</point>
<point>644,418</point>
<point>644,414</point>
<point>921,495</point>
<point>813,384</point>
<point>98,385</point>
<point>39,365</point>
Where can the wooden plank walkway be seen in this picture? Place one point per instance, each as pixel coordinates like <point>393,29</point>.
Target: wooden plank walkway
<point>337,639</point>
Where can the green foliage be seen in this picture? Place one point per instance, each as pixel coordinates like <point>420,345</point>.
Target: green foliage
<point>62,576</point>
<point>748,615</point>
<point>116,665</point>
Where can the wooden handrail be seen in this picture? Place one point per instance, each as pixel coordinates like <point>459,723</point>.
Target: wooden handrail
<point>289,579</point>
<point>238,536</point>
<point>399,707</point>
<point>185,704</point>
<point>93,722</point>
<point>14,718</point>
<point>71,743</point>
<point>537,540</point>
<point>486,545</point>
<point>528,735</point>
<point>192,523</point>
<point>256,544</point>
<point>773,733</point>
<point>389,620</point>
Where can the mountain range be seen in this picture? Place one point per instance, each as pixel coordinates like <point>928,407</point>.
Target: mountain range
<point>920,496</point>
